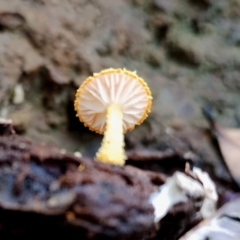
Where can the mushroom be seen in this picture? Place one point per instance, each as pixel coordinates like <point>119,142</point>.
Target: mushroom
<point>111,103</point>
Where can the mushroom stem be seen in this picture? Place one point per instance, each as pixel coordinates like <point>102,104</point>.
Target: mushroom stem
<point>112,148</point>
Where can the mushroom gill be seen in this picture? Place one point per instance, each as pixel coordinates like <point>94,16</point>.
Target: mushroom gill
<point>113,102</point>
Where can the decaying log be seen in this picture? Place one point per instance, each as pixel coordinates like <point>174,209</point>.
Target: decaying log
<point>43,189</point>
<point>45,192</point>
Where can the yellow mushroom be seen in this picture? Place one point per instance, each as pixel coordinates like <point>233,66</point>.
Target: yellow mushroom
<point>112,102</point>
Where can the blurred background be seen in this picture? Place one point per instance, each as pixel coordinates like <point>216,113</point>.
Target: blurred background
<point>188,51</point>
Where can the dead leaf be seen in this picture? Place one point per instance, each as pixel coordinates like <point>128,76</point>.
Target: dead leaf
<point>229,142</point>
<point>225,224</point>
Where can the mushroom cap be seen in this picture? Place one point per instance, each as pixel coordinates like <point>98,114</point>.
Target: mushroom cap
<point>113,86</point>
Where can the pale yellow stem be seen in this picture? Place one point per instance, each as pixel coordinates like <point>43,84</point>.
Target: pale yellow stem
<point>112,148</point>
